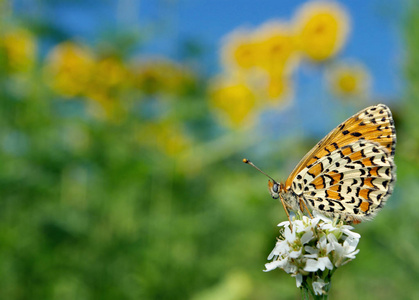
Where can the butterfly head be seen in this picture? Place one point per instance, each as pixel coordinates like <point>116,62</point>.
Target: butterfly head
<point>274,189</point>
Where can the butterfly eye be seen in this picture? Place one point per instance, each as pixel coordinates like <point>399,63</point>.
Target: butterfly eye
<point>273,189</point>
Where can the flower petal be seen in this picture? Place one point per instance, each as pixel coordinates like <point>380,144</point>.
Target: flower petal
<point>312,265</point>
<point>298,279</point>
<point>325,261</point>
<point>272,265</point>
<point>306,237</point>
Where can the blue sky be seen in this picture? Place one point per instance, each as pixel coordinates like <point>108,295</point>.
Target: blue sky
<point>375,39</point>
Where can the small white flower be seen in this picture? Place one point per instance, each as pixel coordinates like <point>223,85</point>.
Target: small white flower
<point>343,253</point>
<point>318,286</point>
<point>314,246</point>
<point>284,224</point>
<point>333,241</point>
<point>273,265</point>
<point>313,265</point>
<point>346,230</point>
<point>314,252</point>
<point>306,225</point>
<point>325,262</point>
<point>290,268</point>
<point>350,244</point>
<point>289,235</point>
<point>295,254</point>
<point>280,248</point>
<point>306,237</point>
<point>298,279</point>
<point>321,217</point>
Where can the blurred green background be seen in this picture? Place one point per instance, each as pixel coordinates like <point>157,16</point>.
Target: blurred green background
<point>120,167</point>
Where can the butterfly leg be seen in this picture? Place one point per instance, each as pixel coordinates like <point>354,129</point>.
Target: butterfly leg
<point>286,210</point>
<point>302,202</point>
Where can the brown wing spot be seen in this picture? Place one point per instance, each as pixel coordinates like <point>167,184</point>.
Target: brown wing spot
<point>387,145</point>
<point>346,151</point>
<point>364,206</point>
<point>364,193</point>
<point>335,188</point>
<point>335,145</point>
<point>336,176</point>
<point>330,148</point>
<point>356,156</point>
<point>319,183</point>
<point>374,172</point>
<point>368,182</point>
<point>333,195</point>
<point>323,152</point>
<point>316,170</point>
<point>367,162</point>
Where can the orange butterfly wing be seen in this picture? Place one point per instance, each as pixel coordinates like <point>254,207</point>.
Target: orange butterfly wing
<point>374,123</point>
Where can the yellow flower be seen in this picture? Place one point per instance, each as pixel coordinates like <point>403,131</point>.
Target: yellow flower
<point>323,28</point>
<point>69,69</point>
<point>20,49</point>
<point>113,72</point>
<point>160,75</point>
<point>113,80</point>
<point>233,100</point>
<point>106,89</point>
<point>277,49</point>
<point>348,79</point>
<point>240,50</point>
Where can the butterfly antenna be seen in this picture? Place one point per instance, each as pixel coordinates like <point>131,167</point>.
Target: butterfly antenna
<point>246,161</point>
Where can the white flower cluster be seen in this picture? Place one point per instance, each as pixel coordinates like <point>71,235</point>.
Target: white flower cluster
<point>313,246</point>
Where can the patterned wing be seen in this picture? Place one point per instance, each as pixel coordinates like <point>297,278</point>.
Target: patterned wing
<point>352,182</point>
<point>375,124</point>
<point>350,173</point>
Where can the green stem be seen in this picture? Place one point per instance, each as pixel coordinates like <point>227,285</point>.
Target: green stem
<point>305,290</point>
<point>305,294</point>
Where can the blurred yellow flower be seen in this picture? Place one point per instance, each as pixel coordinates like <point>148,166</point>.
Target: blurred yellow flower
<point>323,28</point>
<point>233,100</point>
<point>160,75</point>
<point>69,69</point>
<point>20,48</point>
<point>106,89</point>
<point>277,49</point>
<point>348,79</point>
<point>114,73</point>
<point>239,50</point>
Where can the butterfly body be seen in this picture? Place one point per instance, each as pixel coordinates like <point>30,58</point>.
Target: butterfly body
<point>350,173</point>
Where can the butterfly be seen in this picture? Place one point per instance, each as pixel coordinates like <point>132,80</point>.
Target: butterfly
<point>349,174</point>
